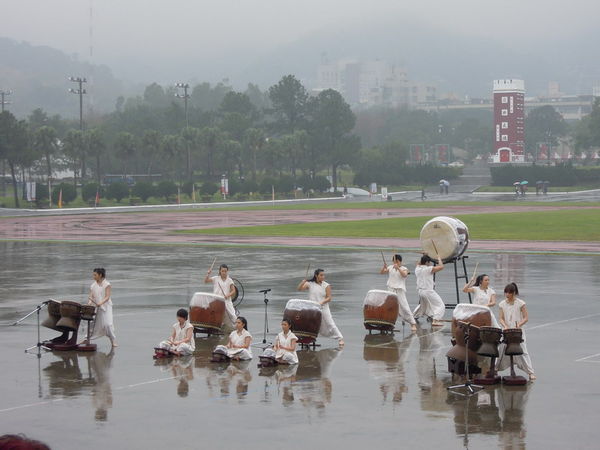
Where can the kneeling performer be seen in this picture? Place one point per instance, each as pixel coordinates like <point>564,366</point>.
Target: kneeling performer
<point>181,341</point>
<point>238,345</point>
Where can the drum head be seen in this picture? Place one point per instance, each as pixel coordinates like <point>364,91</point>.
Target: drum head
<point>450,235</point>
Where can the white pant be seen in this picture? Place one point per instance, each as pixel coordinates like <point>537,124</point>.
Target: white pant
<point>281,355</point>
<point>328,327</point>
<point>230,316</point>
<point>404,312</point>
<point>430,305</point>
<point>241,353</point>
<point>523,361</point>
<point>182,349</point>
<point>103,323</point>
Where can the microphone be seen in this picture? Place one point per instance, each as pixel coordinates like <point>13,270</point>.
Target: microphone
<point>264,291</point>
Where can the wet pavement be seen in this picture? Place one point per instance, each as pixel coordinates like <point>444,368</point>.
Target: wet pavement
<point>377,391</point>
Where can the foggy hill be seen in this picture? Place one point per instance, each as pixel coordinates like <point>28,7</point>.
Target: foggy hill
<point>37,75</point>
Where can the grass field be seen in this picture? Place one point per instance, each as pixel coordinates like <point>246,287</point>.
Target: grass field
<point>564,225</point>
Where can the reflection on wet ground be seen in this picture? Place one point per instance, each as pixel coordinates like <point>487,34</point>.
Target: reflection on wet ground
<point>376,390</point>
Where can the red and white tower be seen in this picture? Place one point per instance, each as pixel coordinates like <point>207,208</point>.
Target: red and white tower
<point>509,121</point>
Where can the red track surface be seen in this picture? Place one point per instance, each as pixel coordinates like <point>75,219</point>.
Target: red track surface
<point>143,227</point>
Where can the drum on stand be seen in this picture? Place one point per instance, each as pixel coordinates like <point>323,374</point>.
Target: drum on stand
<point>70,318</point>
<point>51,322</point>
<point>88,312</point>
<point>380,310</point>
<point>450,235</point>
<point>305,316</point>
<point>512,339</point>
<point>207,311</point>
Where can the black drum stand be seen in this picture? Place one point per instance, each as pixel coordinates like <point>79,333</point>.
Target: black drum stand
<point>39,346</point>
<point>457,276</point>
<point>266,327</point>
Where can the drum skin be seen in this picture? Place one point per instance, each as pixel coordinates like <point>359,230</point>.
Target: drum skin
<point>305,322</point>
<point>53,315</point>
<point>459,327</point>
<point>208,318</point>
<point>513,338</point>
<point>88,312</point>
<point>450,235</point>
<point>382,317</point>
<point>70,316</point>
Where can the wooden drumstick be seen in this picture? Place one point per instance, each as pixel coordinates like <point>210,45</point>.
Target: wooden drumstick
<point>307,269</point>
<point>212,265</point>
<point>383,257</point>
<point>475,271</point>
<point>436,250</point>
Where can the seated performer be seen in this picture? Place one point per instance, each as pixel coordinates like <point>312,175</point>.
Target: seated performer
<point>396,283</point>
<point>430,303</point>
<point>284,350</point>
<point>181,341</point>
<point>238,345</point>
<point>223,285</point>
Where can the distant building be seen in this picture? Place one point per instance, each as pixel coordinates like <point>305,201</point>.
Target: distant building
<point>509,121</point>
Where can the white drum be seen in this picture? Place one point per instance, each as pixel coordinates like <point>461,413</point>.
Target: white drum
<point>204,299</point>
<point>377,297</point>
<point>451,237</point>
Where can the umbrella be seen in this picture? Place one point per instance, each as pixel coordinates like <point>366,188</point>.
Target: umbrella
<point>442,181</point>
<point>516,183</point>
<point>524,182</point>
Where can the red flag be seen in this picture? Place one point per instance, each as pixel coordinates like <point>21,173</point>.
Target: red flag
<point>60,198</point>
<point>97,200</point>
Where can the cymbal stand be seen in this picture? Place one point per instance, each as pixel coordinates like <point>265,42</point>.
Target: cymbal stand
<point>39,344</point>
<point>469,387</point>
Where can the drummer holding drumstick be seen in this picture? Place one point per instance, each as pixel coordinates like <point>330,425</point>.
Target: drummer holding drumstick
<point>319,291</point>
<point>223,285</point>
<point>430,303</point>
<point>396,283</point>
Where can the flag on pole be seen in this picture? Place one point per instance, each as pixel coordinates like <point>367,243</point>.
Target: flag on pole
<point>178,196</point>
<point>273,192</point>
<point>60,198</point>
<point>193,193</point>
<point>97,199</point>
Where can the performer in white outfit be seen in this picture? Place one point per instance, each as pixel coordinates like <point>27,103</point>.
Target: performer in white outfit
<point>284,350</point>
<point>396,283</point>
<point>430,303</point>
<point>483,294</point>
<point>238,345</point>
<point>181,341</point>
<point>223,285</point>
<point>320,291</point>
<point>100,297</point>
<point>513,314</point>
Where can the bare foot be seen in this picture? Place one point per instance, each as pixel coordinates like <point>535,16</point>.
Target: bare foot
<point>413,328</point>
<point>114,344</point>
<point>341,343</point>
<point>532,377</point>
<point>437,323</point>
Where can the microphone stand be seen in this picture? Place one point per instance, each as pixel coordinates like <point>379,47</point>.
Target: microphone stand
<point>266,327</point>
<point>39,344</point>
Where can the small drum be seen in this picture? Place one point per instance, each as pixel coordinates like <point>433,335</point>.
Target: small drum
<point>380,310</point>
<point>70,316</point>
<point>88,312</point>
<point>53,315</point>
<point>451,237</point>
<point>513,338</point>
<point>490,339</point>
<point>305,316</point>
<point>206,312</point>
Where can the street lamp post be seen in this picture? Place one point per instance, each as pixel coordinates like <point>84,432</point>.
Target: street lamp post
<point>3,95</point>
<point>79,91</point>
<point>185,97</point>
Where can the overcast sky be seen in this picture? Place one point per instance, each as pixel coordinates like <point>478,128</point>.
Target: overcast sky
<point>133,36</point>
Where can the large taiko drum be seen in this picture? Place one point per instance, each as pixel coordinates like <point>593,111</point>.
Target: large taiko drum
<point>70,316</point>
<point>380,310</point>
<point>53,315</point>
<point>450,235</point>
<point>305,316</point>
<point>206,312</point>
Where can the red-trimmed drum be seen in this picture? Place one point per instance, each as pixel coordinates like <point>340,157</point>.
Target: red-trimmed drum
<point>450,235</point>
<point>305,316</point>
<point>207,311</point>
<point>53,315</point>
<point>70,316</point>
<point>380,310</point>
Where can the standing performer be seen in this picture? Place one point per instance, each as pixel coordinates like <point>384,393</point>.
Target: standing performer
<point>430,303</point>
<point>100,297</point>
<point>181,341</point>
<point>320,291</point>
<point>513,314</point>
<point>483,294</point>
<point>238,345</point>
<point>223,285</point>
<point>396,283</point>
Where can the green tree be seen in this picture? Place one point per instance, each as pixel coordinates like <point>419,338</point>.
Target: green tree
<point>45,143</point>
<point>14,146</point>
<point>143,190</point>
<point>166,188</point>
<point>126,148</point>
<point>332,120</point>
<point>69,193</point>
<point>150,148</point>
<point>96,147</point>
<point>117,191</point>
<point>190,139</point>
<point>73,146</point>
<point>544,124</point>
<point>289,99</point>
<point>209,140</point>
<point>254,140</point>
<point>89,190</point>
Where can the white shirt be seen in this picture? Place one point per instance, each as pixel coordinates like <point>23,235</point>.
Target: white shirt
<point>98,292</point>
<point>317,292</point>
<point>181,333</point>
<point>512,313</point>
<point>395,278</point>
<point>424,276</point>
<point>481,297</point>
<point>222,287</point>
<point>240,339</point>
